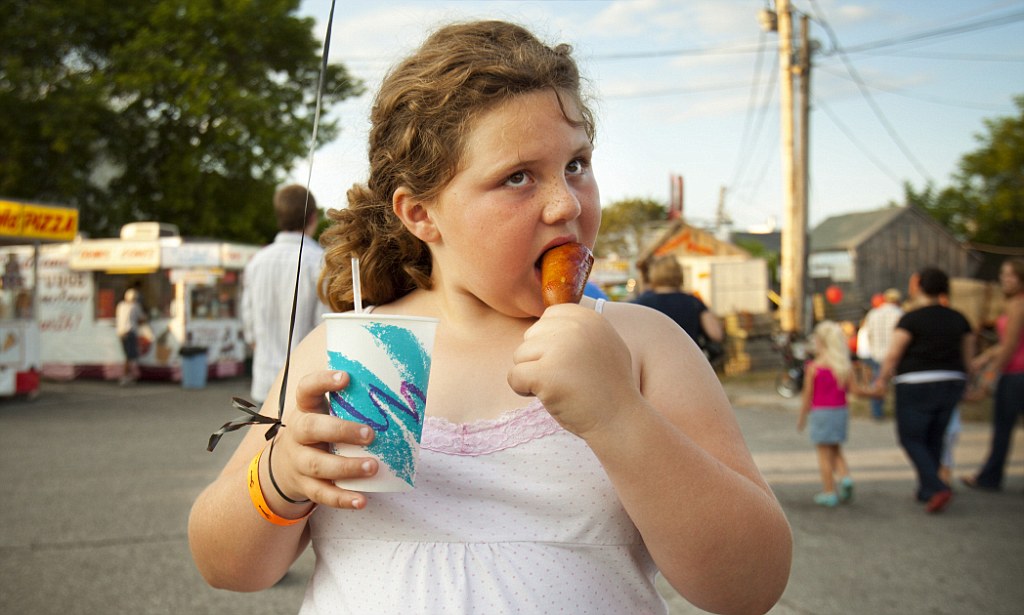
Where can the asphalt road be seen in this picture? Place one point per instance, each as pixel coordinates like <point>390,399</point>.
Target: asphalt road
<point>98,481</point>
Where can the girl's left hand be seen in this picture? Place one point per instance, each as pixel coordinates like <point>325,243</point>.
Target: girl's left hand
<point>576,363</point>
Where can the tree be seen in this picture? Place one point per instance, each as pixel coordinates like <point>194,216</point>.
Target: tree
<point>986,204</point>
<point>625,223</point>
<point>947,206</point>
<point>183,112</point>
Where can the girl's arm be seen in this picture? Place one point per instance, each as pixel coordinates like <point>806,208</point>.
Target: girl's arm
<point>807,394</point>
<point>992,361</point>
<point>1008,341</point>
<point>655,415</point>
<point>232,545</point>
<point>855,383</point>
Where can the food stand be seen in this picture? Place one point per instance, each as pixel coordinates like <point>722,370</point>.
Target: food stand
<point>190,291</point>
<point>24,228</point>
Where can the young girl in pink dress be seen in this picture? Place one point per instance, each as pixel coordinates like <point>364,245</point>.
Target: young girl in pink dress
<point>824,408</point>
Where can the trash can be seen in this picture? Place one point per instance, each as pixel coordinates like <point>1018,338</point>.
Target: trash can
<point>193,367</point>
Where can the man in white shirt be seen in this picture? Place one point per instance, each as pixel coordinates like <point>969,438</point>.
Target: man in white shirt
<point>268,284</point>
<point>880,323</point>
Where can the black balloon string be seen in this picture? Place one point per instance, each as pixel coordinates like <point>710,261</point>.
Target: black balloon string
<point>252,412</point>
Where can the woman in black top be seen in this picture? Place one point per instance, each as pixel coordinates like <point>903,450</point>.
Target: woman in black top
<point>665,295</point>
<point>927,361</point>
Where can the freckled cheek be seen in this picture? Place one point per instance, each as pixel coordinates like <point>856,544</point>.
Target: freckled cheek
<point>591,213</point>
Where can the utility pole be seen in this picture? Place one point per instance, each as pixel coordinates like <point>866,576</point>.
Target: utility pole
<point>793,269</point>
<point>805,314</point>
<point>723,223</point>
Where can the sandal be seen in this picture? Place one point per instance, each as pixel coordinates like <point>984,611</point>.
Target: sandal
<point>846,489</point>
<point>828,500</point>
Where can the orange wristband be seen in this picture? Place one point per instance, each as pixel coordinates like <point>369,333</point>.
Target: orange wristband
<point>256,495</point>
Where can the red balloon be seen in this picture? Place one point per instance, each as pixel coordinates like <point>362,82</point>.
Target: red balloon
<point>834,294</point>
<point>877,299</point>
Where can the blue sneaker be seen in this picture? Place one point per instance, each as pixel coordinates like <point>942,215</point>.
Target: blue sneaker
<point>828,500</point>
<point>846,489</point>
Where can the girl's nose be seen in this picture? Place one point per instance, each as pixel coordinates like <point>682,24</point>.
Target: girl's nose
<point>561,204</point>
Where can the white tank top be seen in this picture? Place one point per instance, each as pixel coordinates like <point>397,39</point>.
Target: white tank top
<point>512,515</point>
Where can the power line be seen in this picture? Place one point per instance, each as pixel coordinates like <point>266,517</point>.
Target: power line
<point>742,48</point>
<point>759,178</point>
<point>962,28</point>
<point>820,104</point>
<point>867,94</point>
<point>748,144</point>
<point>728,49</point>
<point>931,99</point>
<point>758,65</point>
<point>938,55</point>
<point>924,35</point>
<point>677,91</point>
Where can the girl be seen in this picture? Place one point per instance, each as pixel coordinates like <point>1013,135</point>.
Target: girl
<point>828,376</point>
<point>564,461</point>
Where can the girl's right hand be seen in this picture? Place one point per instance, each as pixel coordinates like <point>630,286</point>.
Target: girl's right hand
<point>303,464</point>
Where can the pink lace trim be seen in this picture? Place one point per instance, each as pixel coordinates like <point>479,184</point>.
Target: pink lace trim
<point>484,437</point>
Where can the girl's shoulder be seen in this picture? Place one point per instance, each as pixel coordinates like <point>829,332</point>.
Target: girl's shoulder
<point>649,332</point>
<point>636,318</point>
<point>1015,305</point>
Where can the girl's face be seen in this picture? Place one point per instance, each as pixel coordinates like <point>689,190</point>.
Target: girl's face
<point>525,184</point>
<point>1008,281</point>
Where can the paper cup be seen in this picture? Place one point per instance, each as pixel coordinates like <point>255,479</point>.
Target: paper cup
<point>387,358</point>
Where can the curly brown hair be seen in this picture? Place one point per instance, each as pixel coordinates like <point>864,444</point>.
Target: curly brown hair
<point>423,112</point>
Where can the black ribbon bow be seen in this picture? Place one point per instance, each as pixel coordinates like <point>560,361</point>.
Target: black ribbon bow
<point>254,418</point>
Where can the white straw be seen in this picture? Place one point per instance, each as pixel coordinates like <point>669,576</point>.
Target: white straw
<point>357,291</point>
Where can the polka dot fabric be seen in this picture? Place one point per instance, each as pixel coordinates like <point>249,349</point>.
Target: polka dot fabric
<point>509,516</point>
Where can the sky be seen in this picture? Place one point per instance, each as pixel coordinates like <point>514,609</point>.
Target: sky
<point>900,91</point>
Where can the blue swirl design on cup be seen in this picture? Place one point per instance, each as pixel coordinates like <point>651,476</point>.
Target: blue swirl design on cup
<point>396,416</point>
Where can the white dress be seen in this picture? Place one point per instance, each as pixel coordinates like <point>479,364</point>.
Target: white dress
<point>514,515</point>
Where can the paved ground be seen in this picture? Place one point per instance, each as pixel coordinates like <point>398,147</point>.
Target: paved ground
<point>98,481</point>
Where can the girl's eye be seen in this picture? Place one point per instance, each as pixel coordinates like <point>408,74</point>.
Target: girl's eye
<point>516,179</point>
<point>577,167</point>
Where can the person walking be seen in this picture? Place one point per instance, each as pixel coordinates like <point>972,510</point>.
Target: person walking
<point>927,361</point>
<point>128,317</point>
<point>827,378</point>
<point>688,311</point>
<point>1006,360</point>
<point>268,285</point>
<point>569,453</point>
<point>879,325</point>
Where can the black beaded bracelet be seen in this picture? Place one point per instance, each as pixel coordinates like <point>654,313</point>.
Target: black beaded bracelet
<point>270,471</point>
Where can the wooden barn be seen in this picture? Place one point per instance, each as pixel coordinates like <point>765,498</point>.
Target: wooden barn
<point>867,252</point>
